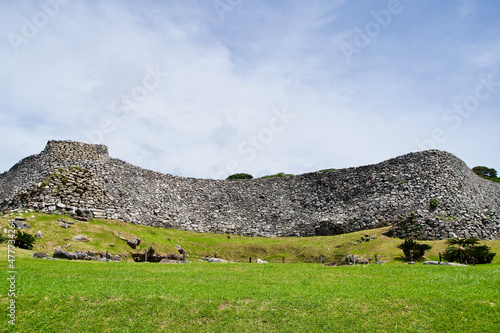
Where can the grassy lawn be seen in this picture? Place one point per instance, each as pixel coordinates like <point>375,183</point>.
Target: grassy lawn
<point>90,296</point>
<point>64,296</point>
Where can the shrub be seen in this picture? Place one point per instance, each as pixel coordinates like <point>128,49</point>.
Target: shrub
<point>24,240</point>
<point>239,176</point>
<point>467,248</point>
<point>484,171</point>
<point>434,203</point>
<point>417,250</point>
<point>278,175</point>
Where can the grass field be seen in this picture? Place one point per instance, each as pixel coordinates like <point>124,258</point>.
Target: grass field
<point>90,296</point>
<point>70,296</point>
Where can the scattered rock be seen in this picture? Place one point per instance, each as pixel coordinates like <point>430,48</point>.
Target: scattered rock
<point>40,255</point>
<point>133,242</point>
<point>63,225</point>
<point>19,224</point>
<point>168,261</point>
<point>81,239</point>
<point>63,254</point>
<point>38,234</point>
<point>442,263</point>
<point>216,260</point>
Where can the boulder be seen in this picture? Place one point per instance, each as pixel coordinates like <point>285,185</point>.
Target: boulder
<point>63,225</point>
<point>168,261</point>
<point>216,260</point>
<point>63,254</point>
<point>134,242</point>
<point>40,255</point>
<point>81,239</point>
<point>442,263</point>
<point>38,234</point>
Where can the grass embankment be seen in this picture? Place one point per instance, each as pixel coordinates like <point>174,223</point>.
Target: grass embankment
<point>103,233</point>
<point>81,296</point>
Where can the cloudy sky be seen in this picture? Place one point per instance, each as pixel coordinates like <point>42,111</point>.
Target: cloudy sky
<point>210,88</point>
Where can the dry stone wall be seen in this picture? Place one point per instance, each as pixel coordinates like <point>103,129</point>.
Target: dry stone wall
<point>76,178</point>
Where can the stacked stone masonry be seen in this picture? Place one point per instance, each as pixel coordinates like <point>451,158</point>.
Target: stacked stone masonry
<point>76,178</point>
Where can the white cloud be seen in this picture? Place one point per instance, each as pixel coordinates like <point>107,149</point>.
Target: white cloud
<point>225,79</point>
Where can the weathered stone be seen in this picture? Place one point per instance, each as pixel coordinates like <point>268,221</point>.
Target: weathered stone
<point>40,255</point>
<point>38,234</point>
<point>81,238</point>
<point>320,203</point>
<point>133,242</point>
<point>442,263</point>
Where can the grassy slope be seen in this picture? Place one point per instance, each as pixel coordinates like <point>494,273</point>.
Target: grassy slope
<point>296,249</point>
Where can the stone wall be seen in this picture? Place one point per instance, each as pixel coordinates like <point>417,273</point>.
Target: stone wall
<point>320,203</point>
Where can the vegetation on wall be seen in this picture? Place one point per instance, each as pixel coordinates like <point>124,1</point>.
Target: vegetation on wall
<point>486,173</point>
<point>240,176</point>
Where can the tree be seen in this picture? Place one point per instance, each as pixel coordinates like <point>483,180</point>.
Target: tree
<point>464,249</point>
<point>240,176</point>
<point>484,171</point>
<point>24,240</point>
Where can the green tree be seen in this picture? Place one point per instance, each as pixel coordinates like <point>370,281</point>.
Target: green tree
<point>239,176</point>
<point>24,240</point>
<point>484,171</point>
<point>464,249</point>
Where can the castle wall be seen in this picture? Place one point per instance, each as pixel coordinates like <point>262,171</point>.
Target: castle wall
<point>318,203</point>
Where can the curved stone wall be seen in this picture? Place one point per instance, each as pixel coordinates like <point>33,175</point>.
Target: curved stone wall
<point>320,203</point>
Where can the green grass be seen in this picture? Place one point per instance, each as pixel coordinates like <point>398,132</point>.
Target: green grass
<point>102,233</point>
<point>64,296</point>
<point>90,296</point>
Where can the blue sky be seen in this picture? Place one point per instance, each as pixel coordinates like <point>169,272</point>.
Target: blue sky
<point>209,88</point>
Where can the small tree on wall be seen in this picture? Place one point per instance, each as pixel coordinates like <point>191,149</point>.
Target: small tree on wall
<point>484,171</point>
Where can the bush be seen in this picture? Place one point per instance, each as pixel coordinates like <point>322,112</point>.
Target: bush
<point>417,250</point>
<point>239,176</point>
<point>464,249</point>
<point>434,203</point>
<point>24,240</point>
<point>278,175</point>
<point>484,171</point>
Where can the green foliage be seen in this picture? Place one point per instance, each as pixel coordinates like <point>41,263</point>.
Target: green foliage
<point>278,175</point>
<point>239,176</point>
<point>326,170</point>
<point>434,203</point>
<point>484,171</point>
<point>411,246</point>
<point>24,240</point>
<point>464,249</point>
